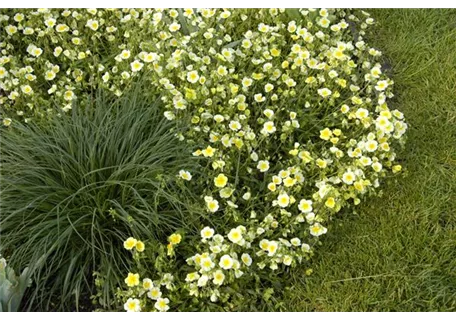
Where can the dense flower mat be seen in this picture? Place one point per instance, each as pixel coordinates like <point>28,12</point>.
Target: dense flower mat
<point>287,109</point>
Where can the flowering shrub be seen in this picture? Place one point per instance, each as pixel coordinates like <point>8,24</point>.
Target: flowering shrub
<point>287,108</point>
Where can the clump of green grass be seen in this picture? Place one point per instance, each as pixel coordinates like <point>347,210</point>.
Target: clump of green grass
<point>398,253</point>
<point>74,189</point>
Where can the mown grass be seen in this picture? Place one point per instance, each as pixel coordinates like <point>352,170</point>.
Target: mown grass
<point>399,251</point>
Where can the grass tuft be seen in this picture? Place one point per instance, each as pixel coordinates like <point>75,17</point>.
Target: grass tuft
<point>74,189</point>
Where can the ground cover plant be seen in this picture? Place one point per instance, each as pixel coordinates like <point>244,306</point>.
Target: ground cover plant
<point>397,253</point>
<point>264,150</point>
<point>286,111</point>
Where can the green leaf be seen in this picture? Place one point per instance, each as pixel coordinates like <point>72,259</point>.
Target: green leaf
<point>186,29</point>
<point>232,44</point>
<point>293,14</point>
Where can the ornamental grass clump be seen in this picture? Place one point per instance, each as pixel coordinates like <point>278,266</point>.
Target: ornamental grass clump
<point>72,190</point>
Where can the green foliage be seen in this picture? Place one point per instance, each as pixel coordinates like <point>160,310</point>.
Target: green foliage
<point>399,253</point>
<point>74,189</point>
<point>257,290</point>
<point>292,118</point>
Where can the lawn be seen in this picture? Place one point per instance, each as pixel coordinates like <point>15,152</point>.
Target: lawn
<point>397,253</point>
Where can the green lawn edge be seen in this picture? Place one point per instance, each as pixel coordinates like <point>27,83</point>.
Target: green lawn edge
<point>398,253</point>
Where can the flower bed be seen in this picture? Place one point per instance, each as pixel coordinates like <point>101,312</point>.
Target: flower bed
<point>286,109</point>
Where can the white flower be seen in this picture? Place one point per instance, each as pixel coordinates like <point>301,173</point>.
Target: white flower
<point>192,277</point>
<point>272,248</point>
<point>162,304</point>
<point>268,113</point>
<point>50,22</point>
<point>348,177</point>
<point>290,82</point>
<point>222,71</point>
<point>226,262</point>
<point>263,27</point>
<point>259,97</point>
<point>287,260</point>
<point>317,229</point>
<point>246,196</point>
<point>235,125</point>
<point>305,247</point>
<point>268,87</point>
<point>219,277</point>
<point>305,206</point>
<point>207,233</point>
<point>136,66</point>
<point>215,296</point>
<point>192,76</point>
<point>154,293</point>
<point>173,27</point>
<point>382,123</point>
<point>324,92</point>
<point>185,175</point>
<point>212,204</point>
<point>246,259</point>
<point>310,217</point>
<point>226,192</point>
<point>218,238</point>
<point>106,77</point>
<point>269,127</point>
<point>7,122</point>
<point>218,118</point>
<point>283,200</point>
<point>147,284</point>
<point>263,165</point>
<point>169,115</point>
<point>207,264</point>
<point>132,305</point>
<point>365,161</point>
<point>235,235</point>
<point>376,72</point>
<point>247,82</point>
<point>381,85</point>
<point>203,281</point>
<point>27,89</point>
<point>180,104</point>
<point>296,242</point>
<point>377,166</point>
<point>62,28</point>
<point>149,57</point>
<point>362,113</point>
<point>371,145</point>
<point>3,73</point>
<point>93,24</point>
<point>232,204</point>
<point>125,54</point>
